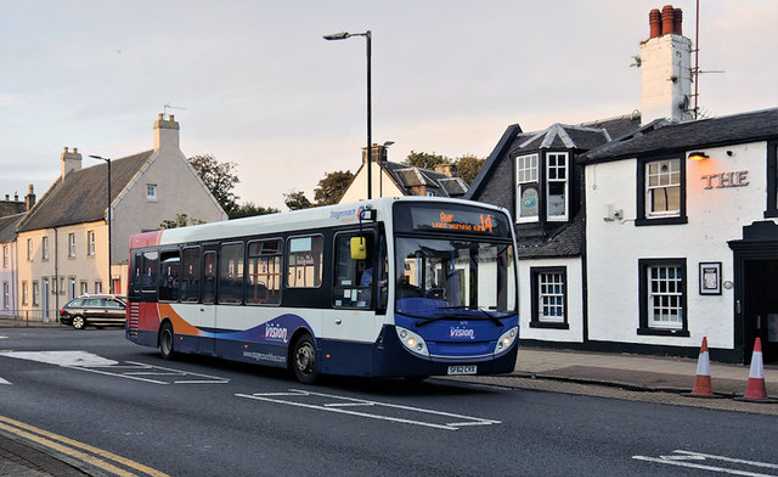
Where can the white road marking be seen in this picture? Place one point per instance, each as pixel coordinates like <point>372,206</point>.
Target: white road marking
<point>61,358</point>
<point>461,420</point>
<point>3,381</point>
<point>3,337</point>
<point>682,458</point>
<point>133,370</point>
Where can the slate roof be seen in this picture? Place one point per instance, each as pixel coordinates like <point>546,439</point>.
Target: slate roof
<point>11,207</point>
<point>583,136</point>
<point>566,241</point>
<point>661,136</point>
<point>8,226</point>
<point>82,196</point>
<point>406,177</point>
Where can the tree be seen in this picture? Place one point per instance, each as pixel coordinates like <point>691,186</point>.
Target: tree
<point>220,178</point>
<point>181,220</point>
<point>296,200</point>
<point>468,167</point>
<point>332,187</point>
<point>425,160</point>
<point>250,209</point>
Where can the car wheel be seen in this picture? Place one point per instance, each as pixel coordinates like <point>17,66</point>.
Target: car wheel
<point>303,360</point>
<point>78,322</point>
<point>166,341</point>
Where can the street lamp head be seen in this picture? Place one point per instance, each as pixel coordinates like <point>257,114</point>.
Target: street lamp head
<point>337,36</point>
<point>388,143</point>
<point>101,158</point>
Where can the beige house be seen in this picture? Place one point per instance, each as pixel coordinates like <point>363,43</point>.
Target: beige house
<point>62,243</point>
<point>391,179</point>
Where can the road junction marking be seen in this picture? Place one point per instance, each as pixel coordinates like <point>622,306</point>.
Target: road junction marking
<point>344,405</point>
<point>698,460</point>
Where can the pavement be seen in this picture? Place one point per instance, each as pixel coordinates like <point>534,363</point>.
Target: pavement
<point>18,459</point>
<point>18,323</point>
<point>95,395</point>
<point>636,372</point>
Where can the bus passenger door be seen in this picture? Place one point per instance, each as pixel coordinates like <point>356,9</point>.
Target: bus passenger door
<point>207,310</point>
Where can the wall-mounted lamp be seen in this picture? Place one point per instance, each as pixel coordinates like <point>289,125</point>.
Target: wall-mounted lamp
<point>698,156</point>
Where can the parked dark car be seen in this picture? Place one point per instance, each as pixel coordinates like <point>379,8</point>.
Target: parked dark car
<point>94,310</point>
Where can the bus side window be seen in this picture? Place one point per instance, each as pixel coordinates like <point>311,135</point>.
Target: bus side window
<point>304,260</point>
<point>189,282</point>
<point>209,278</point>
<point>137,271</point>
<point>264,272</point>
<point>150,272</point>
<point>353,285</point>
<point>231,274</point>
<point>170,271</point>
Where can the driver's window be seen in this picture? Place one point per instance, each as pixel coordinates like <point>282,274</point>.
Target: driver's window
<point>353,278</point>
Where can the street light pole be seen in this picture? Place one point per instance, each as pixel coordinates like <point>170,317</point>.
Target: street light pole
<point>110,221</point>
<point>369,37</point>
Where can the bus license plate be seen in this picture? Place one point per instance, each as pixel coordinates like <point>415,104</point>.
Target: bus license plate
<point>470,369</point>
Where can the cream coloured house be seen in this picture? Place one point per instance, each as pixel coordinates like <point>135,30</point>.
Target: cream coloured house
<point>62,243</point>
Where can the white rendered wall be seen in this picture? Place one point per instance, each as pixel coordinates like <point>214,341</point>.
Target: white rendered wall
<point>357,191</point>
<point>574,301</point>
<point>715,217</point>
<point>8,275</point>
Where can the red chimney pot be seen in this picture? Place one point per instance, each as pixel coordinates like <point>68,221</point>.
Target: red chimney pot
<point>655,23</point>
<point>678,21</point>
<point>668,19</point>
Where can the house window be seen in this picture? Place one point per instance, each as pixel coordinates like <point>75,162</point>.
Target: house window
<point>549,297</point>
<point>5,256</point>
<point>29,250</point>
<point>25,292</point>
<point>151,192</point>
<point>98,287</point>
<point>264,277</point>
<point>304,262</point>
<point>557,186</point>
<point>83,288</point>
<point>35,292</point>
<point>6,296</point>
<point>661,192</point>
<point>44,248</point>
<point>71,245</point>
<point>663,297</point>
<point>90,243</point>
<point>527,188</point>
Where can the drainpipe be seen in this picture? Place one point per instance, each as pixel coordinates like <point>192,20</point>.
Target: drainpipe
<point>56,275</point>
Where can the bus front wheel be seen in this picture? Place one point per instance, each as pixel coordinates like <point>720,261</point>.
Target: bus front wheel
<point>166,341</point>
<point>303,360</point>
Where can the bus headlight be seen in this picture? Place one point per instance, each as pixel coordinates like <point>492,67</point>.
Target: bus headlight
<point>506,340</point>
<point>412,341</point>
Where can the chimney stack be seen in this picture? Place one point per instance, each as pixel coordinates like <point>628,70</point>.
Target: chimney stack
<point>380,153</point>
<point>69,161</point>
<point>29,199</point>
<point>665,68</point>
<point>166,132</point>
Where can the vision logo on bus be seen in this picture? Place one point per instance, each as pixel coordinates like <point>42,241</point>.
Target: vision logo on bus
<point>456,332</point>
<point>275,332</point>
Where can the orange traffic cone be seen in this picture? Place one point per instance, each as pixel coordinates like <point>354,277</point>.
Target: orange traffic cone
<point>756,390</point>
<point>702,383</point>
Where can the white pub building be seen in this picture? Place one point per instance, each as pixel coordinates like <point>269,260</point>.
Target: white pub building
<point>647,231</point>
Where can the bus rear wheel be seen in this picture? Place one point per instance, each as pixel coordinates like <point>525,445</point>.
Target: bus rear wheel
<point>303,360</point>
<point>166,341</point>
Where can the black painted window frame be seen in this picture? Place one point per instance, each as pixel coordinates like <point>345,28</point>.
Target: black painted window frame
<point>643,327</point>
<point>641,218</point>
<point>534,273</point>
<point>771,208</point>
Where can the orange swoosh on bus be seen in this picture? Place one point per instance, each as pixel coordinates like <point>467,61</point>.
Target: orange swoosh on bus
<point>180,325</point>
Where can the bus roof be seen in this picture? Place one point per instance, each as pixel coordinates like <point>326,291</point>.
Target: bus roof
<point>316,217</point>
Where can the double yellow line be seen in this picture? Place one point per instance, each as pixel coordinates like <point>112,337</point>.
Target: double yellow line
<point>102,459</point>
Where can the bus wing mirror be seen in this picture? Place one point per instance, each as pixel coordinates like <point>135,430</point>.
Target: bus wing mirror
<point>358,248</point>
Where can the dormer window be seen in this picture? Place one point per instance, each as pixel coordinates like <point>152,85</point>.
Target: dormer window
<point>557,186</point>
<point>527,188</point>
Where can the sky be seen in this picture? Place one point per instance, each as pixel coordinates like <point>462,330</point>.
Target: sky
<point>257,85</point>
